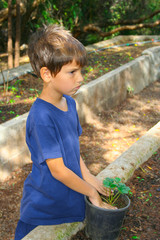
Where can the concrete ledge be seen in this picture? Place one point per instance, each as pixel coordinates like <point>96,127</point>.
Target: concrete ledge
<point>122,167</point>
<point>125,165</point>
<point>122,39</point>
<point>101,94</point>
<point>57,232</point>
<point>13,73</point>
<point>13,148</point>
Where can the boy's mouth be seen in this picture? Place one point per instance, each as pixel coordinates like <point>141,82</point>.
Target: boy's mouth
<point>78,87</point>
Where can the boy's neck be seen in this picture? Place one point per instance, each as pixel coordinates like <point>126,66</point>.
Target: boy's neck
<point>50,95</point>
<point>55,99</point>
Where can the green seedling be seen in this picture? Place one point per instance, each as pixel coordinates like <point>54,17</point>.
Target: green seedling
<point>154,153</point>
<point>3,118</point>
<point>135,237</point>
<point>18,82</point>
<point>13,89</point>
<point>123,228</point>
<point>89,69</point>
<point>140,179</point>
<point>130,90</point>
<point>12,101</point>
<point>11,112</point>
<point>116,189</point>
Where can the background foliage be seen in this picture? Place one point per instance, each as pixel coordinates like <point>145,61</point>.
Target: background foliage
<point>77,15</point>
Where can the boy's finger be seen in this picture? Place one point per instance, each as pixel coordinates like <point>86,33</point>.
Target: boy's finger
<point>107,206</point>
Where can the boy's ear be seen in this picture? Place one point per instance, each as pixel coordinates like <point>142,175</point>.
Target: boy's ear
<point>45,74</point>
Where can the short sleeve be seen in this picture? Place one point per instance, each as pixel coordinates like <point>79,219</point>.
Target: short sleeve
<point>46,142</point>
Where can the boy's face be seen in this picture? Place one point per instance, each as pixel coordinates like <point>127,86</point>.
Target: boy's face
<point>68,80</point>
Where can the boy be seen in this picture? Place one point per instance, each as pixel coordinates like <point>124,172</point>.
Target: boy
<point>54,190</point>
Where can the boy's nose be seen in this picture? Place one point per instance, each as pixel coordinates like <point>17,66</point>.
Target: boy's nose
<point>80,78</point>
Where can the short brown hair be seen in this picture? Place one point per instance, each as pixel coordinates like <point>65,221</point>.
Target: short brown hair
<point>53,47</point>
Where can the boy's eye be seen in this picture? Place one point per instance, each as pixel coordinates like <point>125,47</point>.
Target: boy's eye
<point>72,71</point>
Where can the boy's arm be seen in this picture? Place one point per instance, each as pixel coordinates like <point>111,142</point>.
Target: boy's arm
<point>71,180</point>
<point>91,179</point>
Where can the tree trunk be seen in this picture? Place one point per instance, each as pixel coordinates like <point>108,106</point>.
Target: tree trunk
<point>18,34</point>
<point>98,30</point>
<point>10,49</point>
<point>129,27</point>
<point>31,6</point>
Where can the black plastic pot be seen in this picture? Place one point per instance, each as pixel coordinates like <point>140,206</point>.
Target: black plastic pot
<point>104,224</point>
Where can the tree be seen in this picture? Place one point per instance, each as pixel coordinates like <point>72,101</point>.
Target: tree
<point>124,16</point>
<point>89,20</point>
<point>18,34</point>
<point>10,48</point>
<point>131,25</point>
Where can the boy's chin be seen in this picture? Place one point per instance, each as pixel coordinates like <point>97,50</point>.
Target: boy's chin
<point>72,93</point>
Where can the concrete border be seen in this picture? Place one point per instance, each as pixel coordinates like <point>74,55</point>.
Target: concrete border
<point>57,232</point>
<point>121,40</point>
<point>13,73</point>
<point>13,149</point>
<point>122,167</point>
<point>101,94</point>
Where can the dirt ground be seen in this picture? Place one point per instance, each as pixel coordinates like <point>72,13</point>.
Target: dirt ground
<point>103,140</point>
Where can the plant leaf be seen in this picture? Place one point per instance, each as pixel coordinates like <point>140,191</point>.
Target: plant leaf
<point>117,180</point>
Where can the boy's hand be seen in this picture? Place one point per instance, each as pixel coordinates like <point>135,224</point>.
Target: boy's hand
<point>107,206</point>
<point>91,179</point>
<point>98,185</point>
<point>96,200</point>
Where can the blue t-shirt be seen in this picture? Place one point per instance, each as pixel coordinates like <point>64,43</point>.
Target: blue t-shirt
<point>52,133</point>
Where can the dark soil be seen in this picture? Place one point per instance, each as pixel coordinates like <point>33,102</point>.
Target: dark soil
<point>103,140</point>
